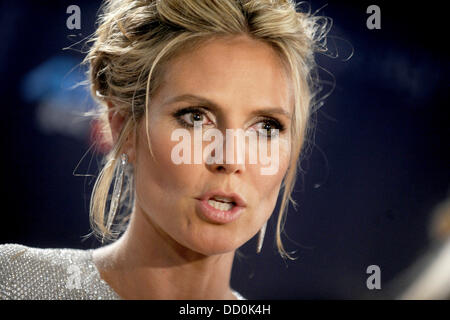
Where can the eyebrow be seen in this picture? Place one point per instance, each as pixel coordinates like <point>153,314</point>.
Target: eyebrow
<point>210,105</point>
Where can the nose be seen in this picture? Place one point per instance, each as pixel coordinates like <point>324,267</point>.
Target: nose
<point>227,167</point>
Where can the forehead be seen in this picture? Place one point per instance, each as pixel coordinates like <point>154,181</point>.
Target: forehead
<point>232,72</point>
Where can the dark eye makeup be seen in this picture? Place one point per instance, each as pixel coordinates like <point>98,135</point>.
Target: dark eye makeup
<point>198,114</point>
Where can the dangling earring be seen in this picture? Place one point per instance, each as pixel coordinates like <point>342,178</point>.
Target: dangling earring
<point>261,235</point>
<point>117,191</point>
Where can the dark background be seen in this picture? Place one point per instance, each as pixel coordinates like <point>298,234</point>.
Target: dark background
<point>377,165</point>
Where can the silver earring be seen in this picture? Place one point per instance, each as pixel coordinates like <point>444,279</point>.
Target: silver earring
<point>261,235</point>
<point>117,191</point>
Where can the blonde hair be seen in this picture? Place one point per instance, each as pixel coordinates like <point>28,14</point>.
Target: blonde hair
<point>135,39</point>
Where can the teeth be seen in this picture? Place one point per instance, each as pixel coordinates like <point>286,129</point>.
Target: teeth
<point>220,205</point>
<point>222,199</point>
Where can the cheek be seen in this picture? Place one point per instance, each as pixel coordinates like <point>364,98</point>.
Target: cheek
<point>268,186</point>
<point>161,172</point>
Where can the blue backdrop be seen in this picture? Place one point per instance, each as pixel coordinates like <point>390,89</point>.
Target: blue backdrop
<point>377,165</point>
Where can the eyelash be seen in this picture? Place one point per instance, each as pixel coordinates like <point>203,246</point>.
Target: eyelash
<point>183,111</point>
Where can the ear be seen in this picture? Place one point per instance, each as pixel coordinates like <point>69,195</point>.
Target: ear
<point>116,122</point>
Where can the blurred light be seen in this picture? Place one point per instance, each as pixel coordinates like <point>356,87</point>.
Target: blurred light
<point>61,101</point>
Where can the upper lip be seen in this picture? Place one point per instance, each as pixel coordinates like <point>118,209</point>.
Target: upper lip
<point>231,195</point>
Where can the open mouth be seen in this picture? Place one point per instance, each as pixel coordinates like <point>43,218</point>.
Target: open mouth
<point>221,203</point>
<point>220,207</point>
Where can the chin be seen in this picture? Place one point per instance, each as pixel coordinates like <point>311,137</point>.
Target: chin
<point>214,246</point>
<point>212,251</point>
<point>210,239</point>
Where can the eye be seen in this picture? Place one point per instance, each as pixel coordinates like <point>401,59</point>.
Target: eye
<point>188,116</point>
<point>266,126</point>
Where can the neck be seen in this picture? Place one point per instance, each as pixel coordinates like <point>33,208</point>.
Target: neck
<point>145,263</point>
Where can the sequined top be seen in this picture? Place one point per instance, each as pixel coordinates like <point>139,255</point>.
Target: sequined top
<point>52,274</point>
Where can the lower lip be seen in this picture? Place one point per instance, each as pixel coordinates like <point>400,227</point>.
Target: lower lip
<point>218,216</point>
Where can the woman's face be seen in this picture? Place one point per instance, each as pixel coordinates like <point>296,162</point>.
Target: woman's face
<point>242,84</point>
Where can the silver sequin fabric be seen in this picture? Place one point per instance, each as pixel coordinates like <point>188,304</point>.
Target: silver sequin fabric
<point>50,274</point>
<point>28,273</point>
